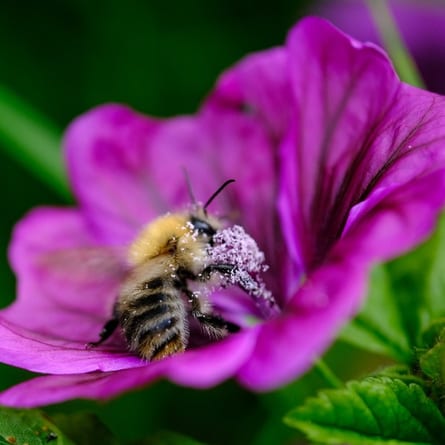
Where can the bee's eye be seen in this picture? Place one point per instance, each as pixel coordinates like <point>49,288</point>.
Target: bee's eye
<point>202,226</point>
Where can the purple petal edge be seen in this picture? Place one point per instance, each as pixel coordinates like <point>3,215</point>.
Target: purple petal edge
<point>196,368</point>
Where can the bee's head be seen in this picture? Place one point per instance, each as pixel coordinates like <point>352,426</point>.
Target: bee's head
<point>204,227</point>
<point>203,224</point>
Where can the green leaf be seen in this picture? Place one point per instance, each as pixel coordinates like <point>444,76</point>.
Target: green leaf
<point>403,373</point>
<point>378,327</point>
<point>432,362</point>
<point>375,411</point>
<point>406,296</point>
<point>84,429</point>
<point>32,140</point>
<point>419,286</point>
<point>29,427</point>
<point>435,278</point>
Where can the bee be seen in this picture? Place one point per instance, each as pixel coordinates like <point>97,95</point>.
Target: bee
<point>155,299</point>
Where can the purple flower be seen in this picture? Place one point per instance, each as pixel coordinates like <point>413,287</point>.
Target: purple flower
<point>421,23</point>
<point>338,165</point>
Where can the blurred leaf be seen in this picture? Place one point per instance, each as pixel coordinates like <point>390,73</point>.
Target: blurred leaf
<point>432,334</point>
<point>435,279</point>
<point>406,295</point>
<point>375,411</point>
<point>432,357</point>
<point>28,427</point>
<point>378,327</point>
<point>408,278</point>
<point>419,286</point>
<point>84,429</point>
<point>32,140</point>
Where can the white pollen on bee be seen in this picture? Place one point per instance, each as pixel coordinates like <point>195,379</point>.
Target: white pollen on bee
<point>192,232</point>
<point>234,246</point>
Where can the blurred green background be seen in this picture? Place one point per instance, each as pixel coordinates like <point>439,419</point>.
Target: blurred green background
<point>64,57</point>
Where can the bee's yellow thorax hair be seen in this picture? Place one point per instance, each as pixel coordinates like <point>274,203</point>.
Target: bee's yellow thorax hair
<point>157,237</point>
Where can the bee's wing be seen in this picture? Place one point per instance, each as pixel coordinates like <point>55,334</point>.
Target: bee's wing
<point>69,292</point>
<point>87,278</point>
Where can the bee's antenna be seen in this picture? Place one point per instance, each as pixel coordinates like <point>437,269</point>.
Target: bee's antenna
<point>220,189</point>
<point>189,186</point>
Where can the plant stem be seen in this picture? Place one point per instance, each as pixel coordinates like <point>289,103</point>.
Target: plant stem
<point>327,374</point>
<point>393,42</point>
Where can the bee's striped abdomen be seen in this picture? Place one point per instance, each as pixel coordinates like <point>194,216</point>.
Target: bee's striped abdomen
<point>154,322</point>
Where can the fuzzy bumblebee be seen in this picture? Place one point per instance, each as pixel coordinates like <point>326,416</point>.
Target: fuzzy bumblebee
<point>155,300</point>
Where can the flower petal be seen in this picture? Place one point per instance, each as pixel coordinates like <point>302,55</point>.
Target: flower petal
<point>51,389</point>
<point>106,152</point>
<point>213,147</point>
<point>396,222</point>
<point>127,169</point>
<point>288,346</point>
<point>420,23</point>
<point>67,283</point>
<point>258,85</point>
<point>333,293</point>
<point>356,128</point>
<point>239,147</point>
<point>25,349</point>
<point>196,368</point>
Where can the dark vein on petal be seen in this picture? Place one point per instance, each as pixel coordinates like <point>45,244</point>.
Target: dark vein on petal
<point>325,182</point>
<point>340,215</point>
<point>397,154</point>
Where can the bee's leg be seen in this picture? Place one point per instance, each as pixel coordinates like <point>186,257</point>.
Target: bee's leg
<point>108,329</point>
<point>243,279</point>
<point>214,324</point>
<point>223,269</point>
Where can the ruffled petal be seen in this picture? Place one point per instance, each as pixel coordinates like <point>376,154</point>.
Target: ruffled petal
<point>357,127</point>
<point>342,91</point>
